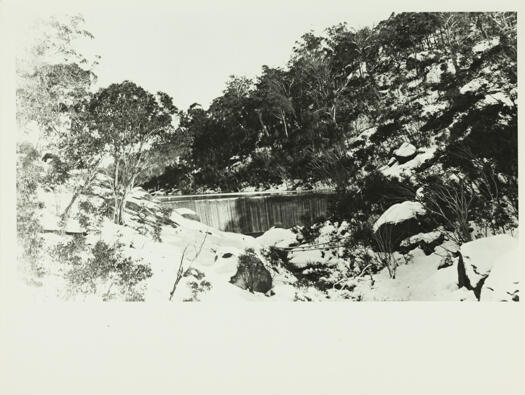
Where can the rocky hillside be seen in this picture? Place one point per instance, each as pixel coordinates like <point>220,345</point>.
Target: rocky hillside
<point>442,85</point>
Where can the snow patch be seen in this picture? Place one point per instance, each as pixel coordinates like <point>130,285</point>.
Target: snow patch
<point>485,45</point>
<point>278,237</point>
<point>400,212</point>
<point>473,85</point>
<point>406,150</point>
<point>480,255</point>
<point>406,169</point>
<point>425,237</point>
<point>503,281</point>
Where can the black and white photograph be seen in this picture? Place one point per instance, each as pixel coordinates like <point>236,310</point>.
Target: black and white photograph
<point>273,197</point>
<point>372,159</point>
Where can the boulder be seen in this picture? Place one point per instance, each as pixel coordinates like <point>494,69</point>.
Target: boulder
<point>400,221</point>
<point>278,237</point>
<point>426,241</point>
<point>405,153</point>
<point>477,258</point>
<point>502,284</point>
<point>252,275</point>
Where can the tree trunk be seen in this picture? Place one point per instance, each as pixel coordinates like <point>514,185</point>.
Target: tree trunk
<point>65,214</point>
<point>121,207</point>
<point>283,117</point>
<point>265,130</point>
<point>87,182</point>
<point>115,193</point>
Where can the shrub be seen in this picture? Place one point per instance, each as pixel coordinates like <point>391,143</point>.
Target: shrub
<point>28,179</point>
<point>385,248</point>
<point>106,269</point>
<point>450,205</point>
<point>198,284</point>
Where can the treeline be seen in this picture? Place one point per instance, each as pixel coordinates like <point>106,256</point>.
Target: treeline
<point>282,126</point>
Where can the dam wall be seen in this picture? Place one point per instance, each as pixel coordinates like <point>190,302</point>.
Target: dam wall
<point>254,213</point>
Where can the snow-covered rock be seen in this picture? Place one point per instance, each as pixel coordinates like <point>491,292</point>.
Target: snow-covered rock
<point>278,237</point>
<point>495,98</point>
<point>426,241</point>
<point>399,213</point>
<point>477,258</point>
<point>302,259</point>
<point>252,275</point>
<point>406,152</point>
<point>407,169</point>
<point>485,45</point>
<point>502,283</point>
<point>473,85</point>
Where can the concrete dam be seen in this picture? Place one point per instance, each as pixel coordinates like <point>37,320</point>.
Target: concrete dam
<point>254,212</point>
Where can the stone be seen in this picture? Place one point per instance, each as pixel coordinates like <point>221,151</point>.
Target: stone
<point>405,153</point>
<point>477,258</point>
<point>426,241</point>
<point>401,221</point>
<point>252,275</point>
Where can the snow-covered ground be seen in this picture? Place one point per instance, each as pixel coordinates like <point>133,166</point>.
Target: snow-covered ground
<point>210,258</point>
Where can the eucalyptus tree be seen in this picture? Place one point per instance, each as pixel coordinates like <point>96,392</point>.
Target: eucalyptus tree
<point>133,126</point>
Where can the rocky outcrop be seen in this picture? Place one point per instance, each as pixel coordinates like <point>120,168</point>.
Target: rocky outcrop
<point>252,275</point>
<point>426,241</point>
<point>477,258</point>
<point>502,284</point>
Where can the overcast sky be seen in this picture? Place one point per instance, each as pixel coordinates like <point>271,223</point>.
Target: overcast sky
<point>189,48</point>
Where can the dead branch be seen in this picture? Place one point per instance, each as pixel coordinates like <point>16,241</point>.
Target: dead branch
<point>181,271</point>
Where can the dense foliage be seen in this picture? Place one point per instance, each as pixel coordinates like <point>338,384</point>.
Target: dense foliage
<point>290,120</point>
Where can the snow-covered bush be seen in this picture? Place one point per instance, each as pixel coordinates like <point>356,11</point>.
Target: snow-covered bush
<point>101,270</point>
<point>29,173</point>
<point>385,245</point>
<point>450,205</point>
